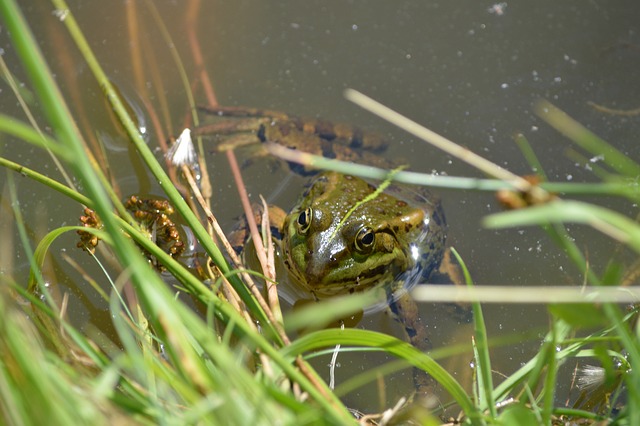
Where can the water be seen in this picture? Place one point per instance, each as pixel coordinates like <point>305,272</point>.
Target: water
<point>471,71</point>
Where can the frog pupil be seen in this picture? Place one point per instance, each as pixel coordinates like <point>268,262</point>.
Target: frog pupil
<point>365,239</point>
<point>304,220</point>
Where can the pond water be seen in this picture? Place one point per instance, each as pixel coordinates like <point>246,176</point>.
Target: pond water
<point>471,71</point>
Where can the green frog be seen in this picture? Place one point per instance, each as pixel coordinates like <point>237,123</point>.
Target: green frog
<point>344,235</point>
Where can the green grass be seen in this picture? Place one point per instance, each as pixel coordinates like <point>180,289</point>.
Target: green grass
<point>173,366</point>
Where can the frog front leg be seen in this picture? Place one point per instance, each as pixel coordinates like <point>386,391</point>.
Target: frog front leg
<point>405,309</point>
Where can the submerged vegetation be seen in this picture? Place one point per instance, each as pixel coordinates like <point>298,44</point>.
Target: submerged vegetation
<point>172,365</point>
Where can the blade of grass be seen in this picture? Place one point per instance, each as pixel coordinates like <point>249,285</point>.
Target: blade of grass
<point>30,377</point>
<point>530,155</point>
<point>26,133</point>
<point>583,137</point>
<point>202,158</point>
<point>43,247</point>
<point>391,345</point>
<point>613,224</point>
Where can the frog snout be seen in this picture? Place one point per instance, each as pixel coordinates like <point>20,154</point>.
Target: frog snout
<point>318,269</point>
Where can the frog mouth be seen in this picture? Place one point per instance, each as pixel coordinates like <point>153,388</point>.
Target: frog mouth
<point>339,277</point>
<point>376,277</point>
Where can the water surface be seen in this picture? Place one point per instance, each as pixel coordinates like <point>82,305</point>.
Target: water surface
<point>471,71</point>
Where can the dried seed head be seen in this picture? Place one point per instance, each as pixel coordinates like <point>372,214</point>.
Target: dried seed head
<point>182,152</point>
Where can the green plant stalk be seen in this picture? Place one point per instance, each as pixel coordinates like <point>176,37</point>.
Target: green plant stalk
<point>530,155</point>
<point>22,96</point>
<point>559,234</point>
<point>633,352</point>
<point>579,414</point>
<point>39,255</point>
<point>202,158</point>
<point>551,374</point>
<point>506,387</point>
<point>156,169</point>
<point>49,182</point>
<point>182,73</point>
<point>626,189</point>
<point>22,231</point>
<point>481,343</point>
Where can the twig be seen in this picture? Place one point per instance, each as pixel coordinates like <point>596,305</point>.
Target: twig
<point>192,21</point>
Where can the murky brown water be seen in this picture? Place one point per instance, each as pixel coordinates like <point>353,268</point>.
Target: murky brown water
<point>471,71</point>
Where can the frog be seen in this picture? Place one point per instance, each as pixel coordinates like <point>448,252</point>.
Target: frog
<point>337,240</point>
<point>345,235</point>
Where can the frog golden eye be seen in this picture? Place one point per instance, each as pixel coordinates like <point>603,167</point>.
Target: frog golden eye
<point>365,239</point>
<point>304,220</point>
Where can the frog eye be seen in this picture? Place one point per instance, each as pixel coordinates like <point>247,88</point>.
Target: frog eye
<point>365,239</point>
<point>304,220</point>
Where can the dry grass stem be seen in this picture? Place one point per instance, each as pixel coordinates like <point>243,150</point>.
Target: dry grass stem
<point>135,49</point>
<point>257,240</point>
<point>439,141</point>
<point>272,289</point>
<point>230,294</point>
<point>192,20</point>
<point>515,294</point>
